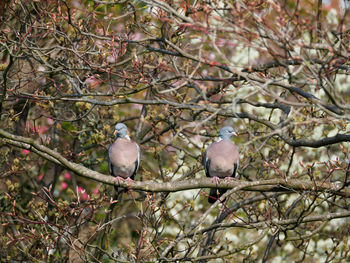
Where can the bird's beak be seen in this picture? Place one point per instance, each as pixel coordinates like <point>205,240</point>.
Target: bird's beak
<point>235,134</point>
<point>115,132</point>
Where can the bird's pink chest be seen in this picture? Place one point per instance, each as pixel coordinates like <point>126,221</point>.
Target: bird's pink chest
<point>223,155</point>
<point>123,152</point>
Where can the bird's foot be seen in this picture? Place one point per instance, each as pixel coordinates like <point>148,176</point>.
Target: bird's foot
<point>216,179</point>
<point>230,178</point>
<point>119,179</point>
<point>128,179</point>
<point>131,194</point>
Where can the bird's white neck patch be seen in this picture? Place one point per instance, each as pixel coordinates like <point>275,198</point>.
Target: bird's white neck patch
<point>127,137</point>
<point>219,139</point>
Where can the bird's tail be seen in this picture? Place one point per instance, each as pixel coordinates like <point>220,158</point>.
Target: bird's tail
<point>215,194</point>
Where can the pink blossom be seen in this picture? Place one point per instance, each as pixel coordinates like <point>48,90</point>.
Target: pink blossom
<point>39,129</point>
<point>95,191</point>
<point>212,56</point>
<point>67,176</point>
<point>42,129</point>
<point>40,177</point>
<point>80,189</point>
<point>26,152</point>
<point>64,186</point>
<point>49,121</point>
<point>84,196</point>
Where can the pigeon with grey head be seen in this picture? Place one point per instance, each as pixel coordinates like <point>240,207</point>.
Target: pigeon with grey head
<point>123,154</point>
<point>221,160</point>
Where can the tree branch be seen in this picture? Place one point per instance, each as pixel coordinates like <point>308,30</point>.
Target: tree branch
<point>276,185</point>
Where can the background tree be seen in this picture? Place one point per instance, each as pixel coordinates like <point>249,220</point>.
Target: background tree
<point>175,72</point>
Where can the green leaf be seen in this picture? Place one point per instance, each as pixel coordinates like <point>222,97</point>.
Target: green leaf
<point>68,126</point>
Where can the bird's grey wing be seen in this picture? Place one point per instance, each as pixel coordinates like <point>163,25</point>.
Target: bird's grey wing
<point>110,166</point>
<point>234,174</point>
<point>206,163</point>
<point>137,163</point>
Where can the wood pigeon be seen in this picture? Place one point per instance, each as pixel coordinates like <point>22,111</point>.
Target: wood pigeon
<point>123,154</point>
<point>221,160</point>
